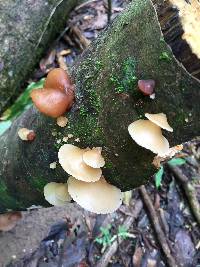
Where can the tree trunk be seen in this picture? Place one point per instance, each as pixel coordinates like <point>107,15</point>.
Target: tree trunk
<point>107,101</point>
<point>26,28</point>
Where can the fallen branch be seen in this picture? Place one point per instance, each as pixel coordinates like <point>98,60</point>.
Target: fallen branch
<point>103,262</point>
<point>156,225</point>
<point>189,191</point>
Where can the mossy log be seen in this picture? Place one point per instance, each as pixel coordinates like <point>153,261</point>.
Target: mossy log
<point>26,28</point>
<point>107,101</point>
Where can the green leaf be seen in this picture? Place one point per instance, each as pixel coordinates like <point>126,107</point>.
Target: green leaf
<point>158,177</point>
<point>177,161</point>
<point>22,103</point>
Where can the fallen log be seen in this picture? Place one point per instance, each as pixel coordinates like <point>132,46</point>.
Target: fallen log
<point>107,101</point>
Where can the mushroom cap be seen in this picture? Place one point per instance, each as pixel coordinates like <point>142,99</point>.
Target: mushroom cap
<point>148,135</point>
<point>57,79</point>
<point>55,194</point>
<point>98,197</point>
<point>159,119</point>
<point>71,160</point>
<point>51,102</point>
<point>60,80</point>
<point>62,193</point>
<point>94,158</point>
<point>23,133</point>
<point>146,86</point>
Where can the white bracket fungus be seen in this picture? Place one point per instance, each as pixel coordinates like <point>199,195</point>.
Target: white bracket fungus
<point>71,160</point>
<point>99,197</point>
<point>57,194</point>
<point>93,158</point>
<point>148,134</point>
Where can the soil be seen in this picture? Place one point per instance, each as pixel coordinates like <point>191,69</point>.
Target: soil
<point>157,225</point>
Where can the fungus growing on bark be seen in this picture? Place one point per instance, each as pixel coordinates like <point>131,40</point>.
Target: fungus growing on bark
<point>26,134</point>
<point>50,102</point>
<point>71,160</point>
<point>62,121</point>
<point>159,119</point>
<point>146,86</point>
<point>57,96</point>
<point>94,158</point>
<point>56,194</point>
<point>148,135</point>
<point>58,79</point>
<point>98,197</point>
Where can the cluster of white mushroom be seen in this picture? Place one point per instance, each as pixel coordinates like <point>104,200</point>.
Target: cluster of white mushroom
<point>86,185</point>
<point>148,134</point>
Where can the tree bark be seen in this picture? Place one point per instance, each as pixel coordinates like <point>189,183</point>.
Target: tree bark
<point>26,28</point>
<point>172,28</point>
<point>107,101</point>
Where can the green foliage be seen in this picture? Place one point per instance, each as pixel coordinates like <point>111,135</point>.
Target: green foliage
<point>22,103</point>
<point>105,236</point>
<point>158,177</point>
<point>176,161</point>
<point>172,162</point>
<point>122,232</point>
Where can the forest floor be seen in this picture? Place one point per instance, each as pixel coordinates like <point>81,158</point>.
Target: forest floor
<point>157,225</point>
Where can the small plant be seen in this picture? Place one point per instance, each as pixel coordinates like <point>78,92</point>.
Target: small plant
<point>106,238</point>
<point>172,162</point>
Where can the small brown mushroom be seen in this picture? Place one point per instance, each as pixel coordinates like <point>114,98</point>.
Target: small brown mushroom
<point>26,134</point>
<point>146,86</point>
<point>51,102</point>
<point>58,79</point>
<point>99,197</point>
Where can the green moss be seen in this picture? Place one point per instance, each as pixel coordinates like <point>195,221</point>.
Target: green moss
<point>83,111</point>
<point>125,81</point>
<point>180,117</point>
<point>108,165</point>
<point>5,197</point>
<point>165,56</point>
<point>98,65</point>
<point>39,183</point>
<point>87,129</point>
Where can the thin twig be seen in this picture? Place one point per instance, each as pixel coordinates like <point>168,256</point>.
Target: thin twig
<point>159,232</point>
<point>110,251</point>
<point>109,10</point>
<point>82,41</point>
<point>189,190</point>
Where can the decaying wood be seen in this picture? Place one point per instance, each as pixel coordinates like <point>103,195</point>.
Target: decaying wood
<point>156,225</point>
<point>107,101</point>
<point>27,27</point>
<point>189,191</point>
<point>172,28</point>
